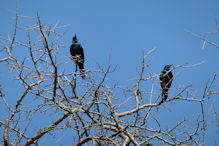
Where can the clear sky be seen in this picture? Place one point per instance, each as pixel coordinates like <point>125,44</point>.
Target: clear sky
<point>126,28</point>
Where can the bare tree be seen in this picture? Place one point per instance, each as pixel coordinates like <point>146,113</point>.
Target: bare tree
<point>93,110</point>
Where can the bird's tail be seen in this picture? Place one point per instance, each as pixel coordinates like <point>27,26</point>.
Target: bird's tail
<point>82,70</point>
<point>164,94</point>
<point>83,74</point>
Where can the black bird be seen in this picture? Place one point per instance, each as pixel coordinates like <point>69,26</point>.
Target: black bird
<point>78,55</point>
<point>166,78</point>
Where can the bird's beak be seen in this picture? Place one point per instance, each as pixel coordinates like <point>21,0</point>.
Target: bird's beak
<point>171,65</point>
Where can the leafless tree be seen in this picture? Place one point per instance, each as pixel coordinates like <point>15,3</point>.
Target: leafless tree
<point>95,111</point>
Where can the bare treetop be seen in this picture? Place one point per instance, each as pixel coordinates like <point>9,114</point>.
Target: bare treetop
<point>94,111</point>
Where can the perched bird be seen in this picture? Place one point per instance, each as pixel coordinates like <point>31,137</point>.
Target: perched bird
<point>166,78</point>
<point>77,53</point>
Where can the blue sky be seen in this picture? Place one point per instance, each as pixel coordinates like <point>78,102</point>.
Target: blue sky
<point>126,28</point>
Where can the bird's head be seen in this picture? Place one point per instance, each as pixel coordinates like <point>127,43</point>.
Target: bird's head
<point>74,39</point>
<point>167,67</point>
